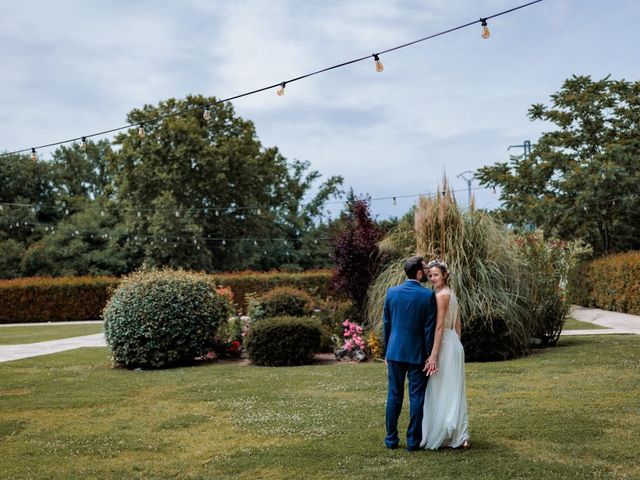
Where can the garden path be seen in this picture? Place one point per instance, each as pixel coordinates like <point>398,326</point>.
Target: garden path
<point>614,323</point>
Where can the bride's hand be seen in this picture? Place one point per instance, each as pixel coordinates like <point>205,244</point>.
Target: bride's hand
<point>431,366</point>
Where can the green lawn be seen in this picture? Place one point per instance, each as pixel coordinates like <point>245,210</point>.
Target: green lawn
<point>15,335</point>
<point>567,412</point>
<point>573,324</point>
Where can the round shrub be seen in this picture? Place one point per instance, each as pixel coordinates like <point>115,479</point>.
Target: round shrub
<point>281,301</point>
<point>163,318</point>
<point>283,341</point>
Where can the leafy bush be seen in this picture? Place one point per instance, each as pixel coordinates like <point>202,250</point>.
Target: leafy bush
<point>159,319</point>
<point>610,283</point>
<point>283,341</point>
<point>44,299</point>
<point>550,262</point>
<point>279,302</point>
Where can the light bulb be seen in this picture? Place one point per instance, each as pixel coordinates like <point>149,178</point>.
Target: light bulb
<point>485,29</point>
<point>259,212</point>
<point>379,66</point>
<point>280,91</point>
<point>66,211</point>
<point>177,213</point>
<point>224,242</point>
<point>83,143</point>
<point>141,130</point>
<point>206,114</point>
<point>102,213</point>
<point>139,214</point>
<point>34,155</point>
<point>394,201</point>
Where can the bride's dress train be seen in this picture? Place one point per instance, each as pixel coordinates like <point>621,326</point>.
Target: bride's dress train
<point>445,422</point>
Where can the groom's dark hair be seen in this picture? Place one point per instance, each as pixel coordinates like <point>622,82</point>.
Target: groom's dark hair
<point>412,266</point>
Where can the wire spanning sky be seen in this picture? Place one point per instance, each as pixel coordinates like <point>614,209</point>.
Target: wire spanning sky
<point>452,104</point>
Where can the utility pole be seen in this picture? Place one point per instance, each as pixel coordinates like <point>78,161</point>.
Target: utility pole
<point>468,180</point>
<point>526,145</point>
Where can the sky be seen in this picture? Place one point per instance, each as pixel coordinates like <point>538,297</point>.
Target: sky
<point>444,106</point>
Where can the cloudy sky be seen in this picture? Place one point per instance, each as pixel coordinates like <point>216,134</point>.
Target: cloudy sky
<point>448,105</point>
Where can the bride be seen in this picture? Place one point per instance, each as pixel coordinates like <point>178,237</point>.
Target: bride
<point>445,422</point>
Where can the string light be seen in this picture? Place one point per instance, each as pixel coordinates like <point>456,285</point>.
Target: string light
<point>207,113</point>
<point>34,155</point>
<point>485,29</point>
<point>83,143</point>
<point>379,66</point>
<point>280,91</point>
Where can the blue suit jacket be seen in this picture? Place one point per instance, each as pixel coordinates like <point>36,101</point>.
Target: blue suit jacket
<point>409,322</point>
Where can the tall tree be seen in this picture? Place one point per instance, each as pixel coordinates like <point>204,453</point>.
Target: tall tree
<point>582,180</point>
<point>235,192</point>
<point>356,253</point>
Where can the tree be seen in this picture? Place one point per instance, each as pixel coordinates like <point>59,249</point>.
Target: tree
<point>240,198</point>
<point>582,180</point>
<point>356,254</point>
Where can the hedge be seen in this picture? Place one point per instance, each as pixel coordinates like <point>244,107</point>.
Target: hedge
<point>44,299</point>
<point>610,283</point>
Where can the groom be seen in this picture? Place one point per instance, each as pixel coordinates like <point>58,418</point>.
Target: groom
<point>409,322</point>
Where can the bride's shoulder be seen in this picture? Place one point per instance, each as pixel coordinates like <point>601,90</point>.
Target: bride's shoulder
<point>445,292</point>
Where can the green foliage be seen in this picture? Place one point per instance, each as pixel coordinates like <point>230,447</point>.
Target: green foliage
<point>26,300</point>
<point>550,263</point>
<point>283,341</point>
<point>610,283</point>
<point>11,252</point>
<point>37,299</point>
<point>316,283</point>
<point>168,199</point>
<point>582,180</point>
<point>281,302</point>
<point>217,177</point>
<point>163,318</point>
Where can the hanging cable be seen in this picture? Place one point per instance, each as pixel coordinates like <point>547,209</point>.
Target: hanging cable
<point>276,85</point>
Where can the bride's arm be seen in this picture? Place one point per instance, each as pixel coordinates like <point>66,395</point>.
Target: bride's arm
<point>442,299</point>
<point>458,324</point>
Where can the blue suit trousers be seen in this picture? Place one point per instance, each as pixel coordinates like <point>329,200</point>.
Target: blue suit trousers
<point>397,372</point>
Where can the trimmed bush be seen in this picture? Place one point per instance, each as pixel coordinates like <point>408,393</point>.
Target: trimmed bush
<point>62,299</point>
<point>283,341</point>
<point>164,318</point>
<point>281,302</point>
<point>609,283</point>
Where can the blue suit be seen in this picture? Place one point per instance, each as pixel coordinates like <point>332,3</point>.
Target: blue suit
<point>409,324</point>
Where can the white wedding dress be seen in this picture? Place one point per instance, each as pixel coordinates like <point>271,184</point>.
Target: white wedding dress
<point>445,422</point>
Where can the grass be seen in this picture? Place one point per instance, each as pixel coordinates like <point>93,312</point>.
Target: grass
<point>552,415</point>
<point>14,335</point>
<point>573,324</point>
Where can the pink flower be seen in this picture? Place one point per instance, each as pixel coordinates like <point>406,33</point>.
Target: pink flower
<point>345,323</point>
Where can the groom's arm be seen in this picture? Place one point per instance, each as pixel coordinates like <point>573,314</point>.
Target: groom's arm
<point>386,324</point>
<point>430,323</point>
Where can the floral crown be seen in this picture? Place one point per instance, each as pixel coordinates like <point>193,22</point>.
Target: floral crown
<point>437,263</point>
